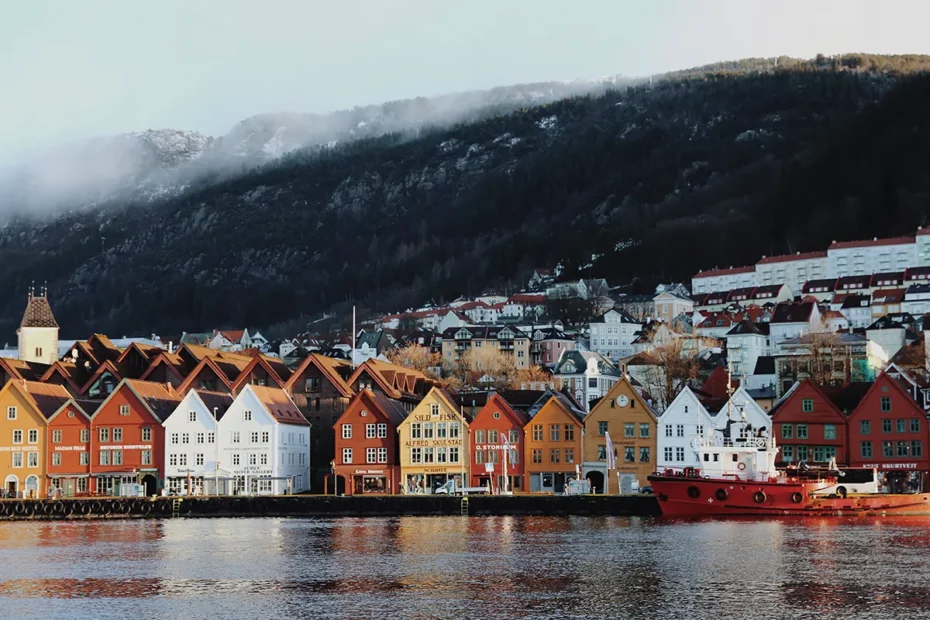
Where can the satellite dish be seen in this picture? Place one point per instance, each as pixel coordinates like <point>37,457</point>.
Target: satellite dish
<point>74,354</point>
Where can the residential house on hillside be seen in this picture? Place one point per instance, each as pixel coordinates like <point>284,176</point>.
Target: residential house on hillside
<point>553,442</point>
<point>724,279</point>
<point>672,302</point>
<point>715,325</point>
<point>791,320</point>
<point>612,334</point>
<point>856,308</point>
<point>524,307</point>
<point>842,357</point>
<point>456,342</point>
<point>854,258</point>
<point>892,332</point>
<point>821,290</point>
<point>624,415</point>
<point>746,343</point>
<point>683,421</point>
<point>791,270</point>
<point>771,294</point>
<point>916,299</point>
<point>587,375</point>
<point>235,340</point>
<point>834,321</point>
<point>640,307</point>
<point>367,459</point>
<point>887,301</point>
<point>547,346</point>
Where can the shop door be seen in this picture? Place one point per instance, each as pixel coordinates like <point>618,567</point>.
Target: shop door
<point>67,487</point>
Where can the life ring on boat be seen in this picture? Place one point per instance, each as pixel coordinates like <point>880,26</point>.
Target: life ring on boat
<point>741,466</point>
<point>694,492</point>
<point>797,498</point>
<point>759,497</point>
<point>841,491</point>
<point>721,494</point>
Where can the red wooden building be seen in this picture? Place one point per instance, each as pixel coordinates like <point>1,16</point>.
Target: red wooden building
<point>367,458</point>
<point>127,439</point>
<point>69,465</point>
<point>811,423</point>
<point>889,431</point>
<point>496,420</point>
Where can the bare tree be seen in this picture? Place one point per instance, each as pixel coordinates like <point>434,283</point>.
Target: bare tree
<point>482,367</point>
<point>533,378</point>
<point>673,359</point>
<point>416,357</point>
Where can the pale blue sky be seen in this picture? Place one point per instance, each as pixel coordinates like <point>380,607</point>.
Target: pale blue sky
<point>71,69</point>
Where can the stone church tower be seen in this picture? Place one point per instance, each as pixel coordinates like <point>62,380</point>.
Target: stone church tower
<point>38,331</point>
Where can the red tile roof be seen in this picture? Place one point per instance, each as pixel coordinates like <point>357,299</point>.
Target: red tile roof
<point>843,245</point>
<point>725,272</point>
<point>784,258</point>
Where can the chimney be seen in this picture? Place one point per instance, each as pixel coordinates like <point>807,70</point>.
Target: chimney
<point>170,346</point>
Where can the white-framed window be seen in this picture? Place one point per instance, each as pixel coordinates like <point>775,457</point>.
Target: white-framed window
<point>182,460</point>
<point>235,459</point>
<point>253,459</point>
<point>185,438</point>
<point>146,434</point>
<point>18,436</point>
<point>347,431</point>
<point>200,437</point>
<point>117,434</point>
<point>266,436</point>
<point>434,409</point>
<point>264,458</point>
<point>33,435</point>
<point>85,435</point>
<point>382,455</point>
<point>192,416</point>
<point>371,455</point>
<point>56,458</point>
<point>254,437</point>
<point>370,431</point>
<point>175,438</point>
<point>11,413</point>
<point>235,436</point>
<point>247,416</point>
<point>85,458</point>
<point>198,460</point>
<point>146,457</point>
<point>104,457</point>
<point>117,457</point>
<point>347,455</point>
<point>173,459</point>
<point>211,438</point>
<point>124,410</point>
<point>382,430</point>
<point>17,459</point>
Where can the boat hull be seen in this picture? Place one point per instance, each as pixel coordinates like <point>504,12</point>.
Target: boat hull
<point>695,497</point>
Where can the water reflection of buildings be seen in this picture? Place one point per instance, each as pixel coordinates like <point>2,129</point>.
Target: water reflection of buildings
<point>81,588</point>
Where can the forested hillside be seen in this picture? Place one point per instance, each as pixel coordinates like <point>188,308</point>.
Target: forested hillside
<point>713,166</point>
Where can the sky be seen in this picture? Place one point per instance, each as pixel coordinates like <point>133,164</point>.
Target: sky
<point>71,70</point>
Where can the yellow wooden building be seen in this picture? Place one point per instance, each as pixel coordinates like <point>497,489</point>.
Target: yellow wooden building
<point>433,442</point>
<point>631,424</point>
<point>25,407</point>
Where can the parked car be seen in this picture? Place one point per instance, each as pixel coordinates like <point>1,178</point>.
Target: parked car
<point>646,490</point>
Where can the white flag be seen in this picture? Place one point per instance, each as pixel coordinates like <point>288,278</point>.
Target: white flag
<point>611,457</point>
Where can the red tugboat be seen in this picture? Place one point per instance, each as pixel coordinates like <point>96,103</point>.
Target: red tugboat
<point>738,477</point>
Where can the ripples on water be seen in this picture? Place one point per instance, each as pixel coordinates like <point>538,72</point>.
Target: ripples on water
<point>422,567</point>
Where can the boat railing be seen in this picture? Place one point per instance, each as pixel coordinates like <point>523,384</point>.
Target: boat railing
<point>739,442</point>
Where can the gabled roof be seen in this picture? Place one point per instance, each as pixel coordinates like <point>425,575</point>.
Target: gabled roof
<point>232,335</point>
<point>161,400</point>
<point>103,348</point>
<point>842,245</point>
<point>328,367</point>
<point>579,360</point>
<point>768,291</point>
<point>171,361</point>
<point>916,273</point>
<point>147,351</point>
<point>278,404</point>
<point>396,381</point>
<point>716,384</point>
<point>887,279</point>
<point>106,366</point>
<point>880,384</point>
<point>260,361</point>
<point>496,402</point>
<point>725,272</point>
<point>393,411</point>
<point>745,328</point>
<point>19,369</point>
<point>784,258</point>
<point>791,312</point>
<point>855,301</point>
<point>567,404</point>
<point>815,286</point>
<point>222,370</point>
<point>853,283</point>
<point>73,375</point>
<point>46,398</point>
<point>625,317</point>
<point>797,392</point>
<point>86,408</point>
<point>38,313</point>
<point>765,365</point>
<point>888,296</point>
<point>217,403</point>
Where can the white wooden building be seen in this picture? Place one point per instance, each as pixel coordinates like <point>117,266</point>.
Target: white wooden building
<point>682,421</point>
<point>265,443</point>
<point>191,446</point>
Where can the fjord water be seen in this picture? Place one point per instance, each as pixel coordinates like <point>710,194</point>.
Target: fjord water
<point>459,567</point>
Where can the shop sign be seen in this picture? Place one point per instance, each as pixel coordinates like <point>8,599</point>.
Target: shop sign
<point>139,447</point>
<point>369,471</point>
<point>884,466</point>
<point>70,448</point>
